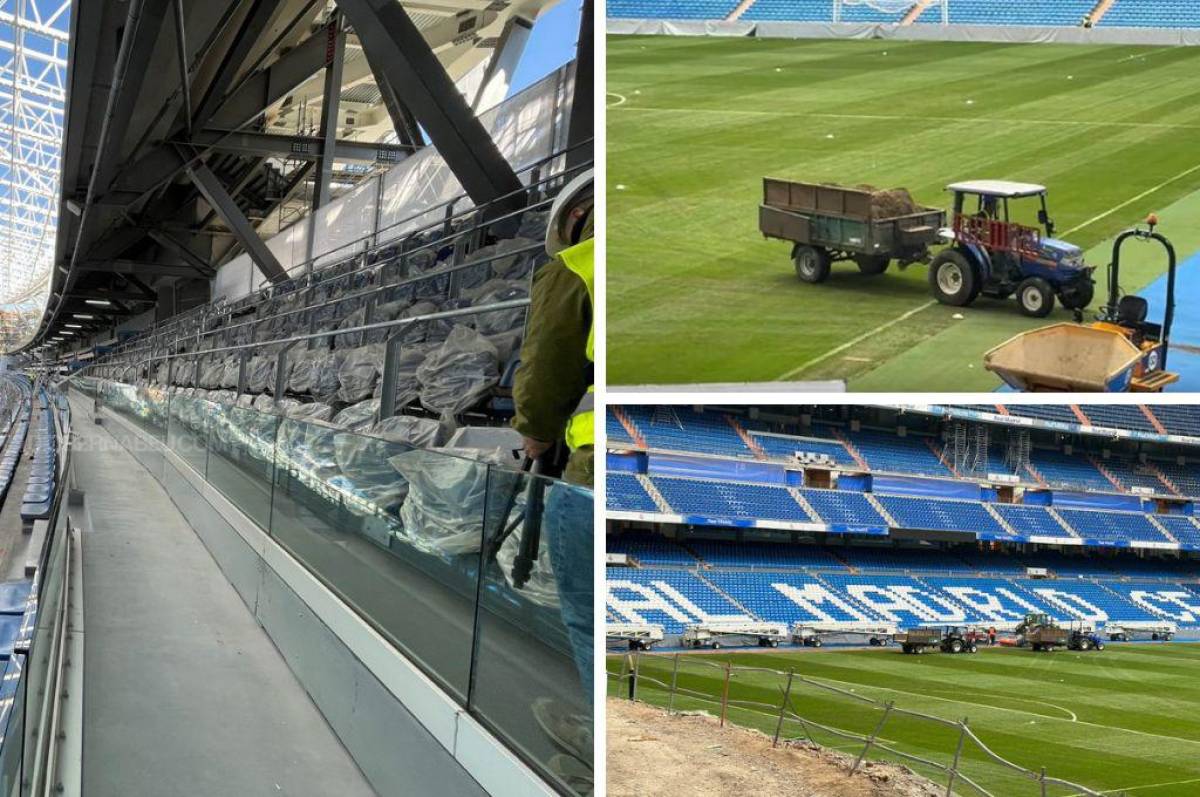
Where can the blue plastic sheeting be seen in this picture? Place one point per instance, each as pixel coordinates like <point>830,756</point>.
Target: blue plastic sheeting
<point>14,595</point>
<point>937,488</point>
<point>700,467</point>
<point>1186,327</point>
<point>860,482</point>
<point>623,463</point>
<point>1127,503</point>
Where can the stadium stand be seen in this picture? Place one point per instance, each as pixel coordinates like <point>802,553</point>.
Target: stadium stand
<point>887,452</point>
<point>682,429</point>
<point>1043,13</point>
<point>625,492</point>
<point>1117,416</point>
<point>730,499</point>
<point>1151,14</point>
<point>1178,420</point>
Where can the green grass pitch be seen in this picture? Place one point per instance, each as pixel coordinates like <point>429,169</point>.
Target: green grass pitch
<point>695,294</point>
<point>1121,720</point>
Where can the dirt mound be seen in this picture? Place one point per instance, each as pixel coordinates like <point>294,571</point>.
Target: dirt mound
<point>653,753</point>
<point>888,203</point>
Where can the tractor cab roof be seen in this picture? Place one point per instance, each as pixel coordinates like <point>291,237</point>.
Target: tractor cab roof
<point>1002,188</point>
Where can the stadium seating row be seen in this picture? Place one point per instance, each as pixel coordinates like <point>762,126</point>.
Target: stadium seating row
<point>713,433</point>
<point>730,501</point>
<point>1049,13</point>
<point>675,598</point>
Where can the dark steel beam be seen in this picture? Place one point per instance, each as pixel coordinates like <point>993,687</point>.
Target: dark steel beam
<point>169,241</point>
<point>336,52</point>
<point>236,221</point>
<point>139,267</point>
<point>185,78</point>
<point>270,85</point>
<point>300,147</point>
<point>409,66</point>
<point>253,25</point>
<point>406,127</point>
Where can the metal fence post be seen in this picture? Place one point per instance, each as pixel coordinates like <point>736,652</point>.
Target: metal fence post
<point>871,739</point>
<point>787,696</point>
<point>633,675</point>
<point>725,693</point>
<point>1042,780</point>
<point>962,737</point>
<point>674,682</point>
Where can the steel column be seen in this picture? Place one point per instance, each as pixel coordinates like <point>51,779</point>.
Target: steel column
<point>335,56</point>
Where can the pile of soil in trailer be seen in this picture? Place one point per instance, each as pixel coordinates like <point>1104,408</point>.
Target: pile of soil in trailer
<point>655,754</point>
<point>889,203</point>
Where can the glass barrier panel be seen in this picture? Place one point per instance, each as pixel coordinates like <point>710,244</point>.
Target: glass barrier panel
<point>152,410</point>
<point>188,429</point>
<point>394,531</point>
<point>241,458</point>
<point>50,587</point>
<point>532,679</point>
<point>12,700</point>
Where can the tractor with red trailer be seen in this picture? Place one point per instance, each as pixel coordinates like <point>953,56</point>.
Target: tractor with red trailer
<point>989,253</point>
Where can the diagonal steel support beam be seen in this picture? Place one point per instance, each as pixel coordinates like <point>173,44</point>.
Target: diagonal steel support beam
<point>231,214</point>
<point>407,64</point>
<point>253,25</point>
<point>406,127</point>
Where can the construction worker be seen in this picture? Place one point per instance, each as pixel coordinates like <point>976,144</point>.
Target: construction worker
<point>553,389</point>
<point>553,394</point>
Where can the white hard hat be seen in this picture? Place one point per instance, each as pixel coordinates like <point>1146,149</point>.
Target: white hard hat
<point>565,200</point>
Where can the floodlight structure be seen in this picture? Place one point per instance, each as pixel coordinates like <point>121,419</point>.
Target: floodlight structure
<point>34,39</point>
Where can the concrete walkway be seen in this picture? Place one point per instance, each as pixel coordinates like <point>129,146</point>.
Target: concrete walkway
<point>184,694</point>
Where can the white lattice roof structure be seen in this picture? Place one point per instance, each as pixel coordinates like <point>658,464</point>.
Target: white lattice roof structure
<point>34,36</point>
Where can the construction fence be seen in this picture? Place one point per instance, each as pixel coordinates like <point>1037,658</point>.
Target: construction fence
<point>791,707</point>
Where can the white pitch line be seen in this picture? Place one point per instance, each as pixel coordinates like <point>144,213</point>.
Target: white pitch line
<point>619,102</point>
<point>1128,202</point>
<point>1013,710</point>
<point>855,341</point>
<point>1143,786</point>
<point>896,117</point>
<point>1145,55</point>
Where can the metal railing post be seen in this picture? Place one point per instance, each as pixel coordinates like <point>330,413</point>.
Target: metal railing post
<point>633,665</point>
<point>871,739</point>
<point>387,379</point>
<point>725,693</point>
<point>962,737</point>
<point>787,696</point>
<point>674,685</point>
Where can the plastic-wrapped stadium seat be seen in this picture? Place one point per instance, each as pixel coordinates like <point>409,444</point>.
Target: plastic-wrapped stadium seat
<point>358,417</point>
<point>416,432</point>
<point>460,373</point>
<point>491,292</point>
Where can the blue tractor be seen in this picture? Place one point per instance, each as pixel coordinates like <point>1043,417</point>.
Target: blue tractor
<point>993,255</point>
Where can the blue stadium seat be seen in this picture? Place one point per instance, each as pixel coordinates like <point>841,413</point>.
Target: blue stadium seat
<point>625,492</point>
<point>730,499</point>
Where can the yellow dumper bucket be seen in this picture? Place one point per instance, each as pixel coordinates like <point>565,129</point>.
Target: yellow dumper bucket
<point>1065,357</point>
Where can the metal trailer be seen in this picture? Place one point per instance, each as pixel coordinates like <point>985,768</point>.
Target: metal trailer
<point>829,223</point>
<point>948,639</point>
<point>719,635</point>
<point>1124,632</point>
<point>638,636</point>
<point>812,635</point>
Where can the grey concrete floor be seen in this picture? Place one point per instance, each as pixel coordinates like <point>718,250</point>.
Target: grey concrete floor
<point>184,694</point>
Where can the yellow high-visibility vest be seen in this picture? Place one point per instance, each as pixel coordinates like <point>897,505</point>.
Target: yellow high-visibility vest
<point>581,428</point>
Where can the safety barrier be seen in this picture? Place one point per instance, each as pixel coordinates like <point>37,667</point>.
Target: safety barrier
<point>478,573</point>
<point>670,681</point>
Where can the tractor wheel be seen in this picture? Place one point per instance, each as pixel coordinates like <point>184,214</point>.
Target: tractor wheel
<point>812,263</point>
<point>1035,297</point>
<point>716,646</point>
<point>774,643</point>
<point>1079,297</point>
<point>1085,644</point>
<point>1154,637</point>
<point>816,643</point>
<point>953,279</point>
<point>973,649</point>
<point>1169,637</point>
<point>906,648</point>
<point>1099,646</point>
<point>956,646</point>
<point>871,265</point>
